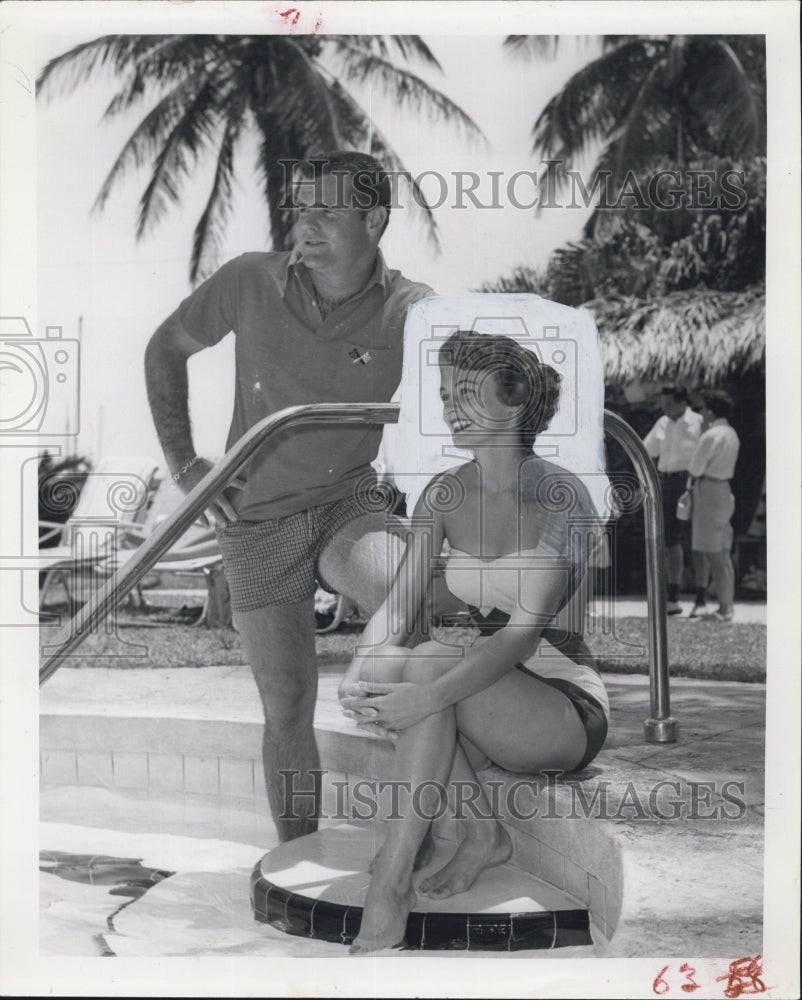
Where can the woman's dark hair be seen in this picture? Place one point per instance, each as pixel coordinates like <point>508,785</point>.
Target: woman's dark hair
<point>718,402</point>
<point>521,378</point>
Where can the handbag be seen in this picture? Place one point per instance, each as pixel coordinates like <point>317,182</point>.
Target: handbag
<point>685,506</point>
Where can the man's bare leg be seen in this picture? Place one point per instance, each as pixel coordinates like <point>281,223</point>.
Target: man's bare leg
<point>361,561</point>
<point>279,642</point>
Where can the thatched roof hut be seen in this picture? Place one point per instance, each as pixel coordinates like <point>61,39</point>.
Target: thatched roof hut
<point>695,336</point>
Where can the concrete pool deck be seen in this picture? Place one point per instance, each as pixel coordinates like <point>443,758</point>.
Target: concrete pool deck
<point>663,843</point>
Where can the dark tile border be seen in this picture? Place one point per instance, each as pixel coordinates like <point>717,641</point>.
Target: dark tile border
<point>338,923</point>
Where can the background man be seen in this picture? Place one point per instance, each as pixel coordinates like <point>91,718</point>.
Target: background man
<point>671,442</point>
<point>712,466</point>
<point>321,324</point>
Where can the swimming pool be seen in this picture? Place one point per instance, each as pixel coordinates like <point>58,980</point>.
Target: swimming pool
<point>166,876</point>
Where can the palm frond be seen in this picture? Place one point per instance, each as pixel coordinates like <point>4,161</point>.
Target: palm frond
<point>413,46</point>
<point>634,144</point>
<point>310,106</point>
<point>407,88</point>
<point>297,106</point>
<point>75,67</point>
<point>164,65</point>
<point>151,132</point>
<point>593,103</point>
<point>208,234</point>
<point>743,120</point>
<point>360,127</point>
<point>409,46</point>
<point>532,46</point>
<point>194,130</point>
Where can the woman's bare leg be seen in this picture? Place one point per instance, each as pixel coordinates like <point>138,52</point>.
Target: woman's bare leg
<point>724,576</point>
<point>424,754</point>
<point>485,842</point>
<point>541,729</point>
<point>386,667</point>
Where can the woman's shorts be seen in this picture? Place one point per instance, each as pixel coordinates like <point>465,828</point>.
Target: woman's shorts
<point>590,712</point>
<point>274,562</point>
<point>713,506</point>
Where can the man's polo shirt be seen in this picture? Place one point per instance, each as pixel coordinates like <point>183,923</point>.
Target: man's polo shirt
<point>717,452</point>
<point>287,354</point>
<point>673,442</point>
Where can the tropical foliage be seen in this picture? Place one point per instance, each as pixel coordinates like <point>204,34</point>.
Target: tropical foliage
<point>201,94</point>
<point>676,288</point>
<point>719,248</point>
<point>654,97</point>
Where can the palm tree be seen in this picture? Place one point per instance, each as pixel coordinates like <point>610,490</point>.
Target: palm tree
<point>209,90</point>
<point>648,97</point>
<point>646,106</point>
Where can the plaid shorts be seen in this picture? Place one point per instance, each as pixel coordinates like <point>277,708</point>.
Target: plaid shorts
<point>274,562</point>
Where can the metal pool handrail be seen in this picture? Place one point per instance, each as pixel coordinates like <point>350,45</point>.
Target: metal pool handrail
<point>659,728</point>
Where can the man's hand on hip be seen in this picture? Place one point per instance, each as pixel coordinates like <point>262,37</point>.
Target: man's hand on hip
<point>223,509</point>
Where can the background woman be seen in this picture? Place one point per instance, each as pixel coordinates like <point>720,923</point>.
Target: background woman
<point>518,530</point>
<point>711,469</point>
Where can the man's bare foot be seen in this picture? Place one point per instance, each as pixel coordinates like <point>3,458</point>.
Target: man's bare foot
<point>422,858</point>
<point>473,855</point>
<point>384,918</point>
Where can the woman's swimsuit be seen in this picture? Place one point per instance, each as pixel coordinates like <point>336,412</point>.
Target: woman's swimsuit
<point>491,589</point>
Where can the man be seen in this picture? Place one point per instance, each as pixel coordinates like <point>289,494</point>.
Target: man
<point>671,442</point>
<point>321,324</point>
<point>711,468</point>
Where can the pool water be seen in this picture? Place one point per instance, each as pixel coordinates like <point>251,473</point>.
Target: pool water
<point>111,886</point>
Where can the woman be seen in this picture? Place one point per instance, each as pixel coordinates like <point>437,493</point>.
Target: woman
<point>711,469</point>
<point>517,528</point>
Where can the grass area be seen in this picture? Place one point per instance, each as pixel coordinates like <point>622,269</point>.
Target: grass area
<point>705,650</point>
<point>162,637</point>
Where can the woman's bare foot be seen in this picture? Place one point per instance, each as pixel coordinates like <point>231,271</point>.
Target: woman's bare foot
<point>425,852</point>
<point>384,917</point>
<point>422,858</point>
<point>484,846</point>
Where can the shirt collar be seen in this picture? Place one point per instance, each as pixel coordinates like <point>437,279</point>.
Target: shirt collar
<point>683,416</point>
<point>718,422</point>
<point>296,269</point>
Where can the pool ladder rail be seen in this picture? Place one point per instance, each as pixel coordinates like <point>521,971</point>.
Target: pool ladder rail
<point>660,727</point>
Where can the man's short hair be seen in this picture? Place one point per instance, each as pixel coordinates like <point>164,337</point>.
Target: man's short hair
<point>677,392</point>
<point>370,182</point>
<point>718,402</point>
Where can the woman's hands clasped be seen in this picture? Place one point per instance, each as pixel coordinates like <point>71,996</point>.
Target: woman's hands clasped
<point>387,709</point>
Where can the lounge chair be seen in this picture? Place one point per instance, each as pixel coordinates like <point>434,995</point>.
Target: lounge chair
<point>108,517</point>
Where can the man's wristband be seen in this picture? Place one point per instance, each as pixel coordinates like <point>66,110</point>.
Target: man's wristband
<point>184,469</point>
